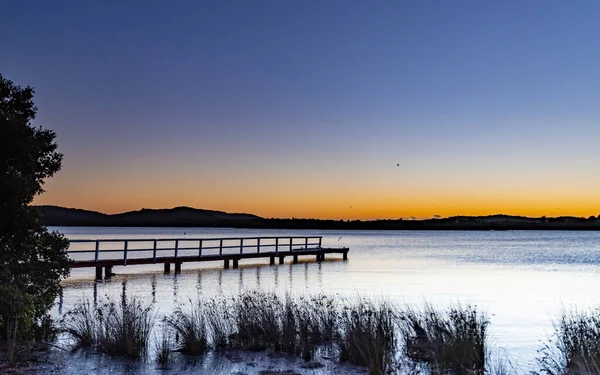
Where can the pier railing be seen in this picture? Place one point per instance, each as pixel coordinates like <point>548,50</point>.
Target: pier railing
<point>97,250</point>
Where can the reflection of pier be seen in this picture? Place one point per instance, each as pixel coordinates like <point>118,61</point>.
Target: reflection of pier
<point>107,253</point>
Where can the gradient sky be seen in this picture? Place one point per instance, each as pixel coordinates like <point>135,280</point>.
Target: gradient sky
<point>306,108</point>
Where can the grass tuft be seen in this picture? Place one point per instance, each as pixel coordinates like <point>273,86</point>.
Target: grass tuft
<point>122,329</point>
<point>451,341</point>
<point>190,326</point>
<point>367,336</point>
<point>81,324</point>
<point>164,345</point>
<point>575,349</point>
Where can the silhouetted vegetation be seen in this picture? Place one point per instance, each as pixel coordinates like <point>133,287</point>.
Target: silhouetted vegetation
<point>574,348</point>
<point>362,332</point>
<point>119,329</point>
<point>366,336</point>
<point>190,326</point>
<point>451,341</point>
<point>375,335</point>
<point>190,217</point>
<point>164,345</point>
<point>32,260</point>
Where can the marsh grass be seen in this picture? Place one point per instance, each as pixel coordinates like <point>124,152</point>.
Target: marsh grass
<point>366,335</point>
<point>190,326</point>
<point>125,328</point>
<point>118,329</point>
<point>362,332</point>
<point>257,321</point>
<point>218,319</point>
<point>575,348</point>
<point>81,324</point>
<point>164,345</point>
<point>447,341</point>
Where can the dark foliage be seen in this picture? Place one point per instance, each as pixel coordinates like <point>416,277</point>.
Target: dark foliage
<point>32,260</point>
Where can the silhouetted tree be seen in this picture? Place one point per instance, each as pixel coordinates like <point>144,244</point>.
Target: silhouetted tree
<point>32,260</point>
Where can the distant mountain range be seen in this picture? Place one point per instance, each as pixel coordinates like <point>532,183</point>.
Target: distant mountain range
<point>173,217</point>
<point>192,217</point>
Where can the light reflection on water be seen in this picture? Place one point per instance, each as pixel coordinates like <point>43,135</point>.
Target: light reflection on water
<point>521,278</point>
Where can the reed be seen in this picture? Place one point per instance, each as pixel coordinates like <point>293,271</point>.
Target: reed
<point>367,336</point>
<point>257,321</point>
<point>124,329</point>
<point>575,348</point>
<point>81,325</point>
<point>119,329</point>
<point>190,325</point>
<point>164,345</point>
<point>447,341</point>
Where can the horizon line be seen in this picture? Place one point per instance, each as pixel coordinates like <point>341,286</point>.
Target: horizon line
<point>410,218</point>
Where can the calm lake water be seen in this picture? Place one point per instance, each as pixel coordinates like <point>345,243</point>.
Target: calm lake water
<point>522,279</point>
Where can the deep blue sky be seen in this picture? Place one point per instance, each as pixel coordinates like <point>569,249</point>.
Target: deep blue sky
<point>487,106</point>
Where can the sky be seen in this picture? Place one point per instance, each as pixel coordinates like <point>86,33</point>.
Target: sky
<point>333,109</point>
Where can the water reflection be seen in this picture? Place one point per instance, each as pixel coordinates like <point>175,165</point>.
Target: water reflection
<point>153,286</point>
<point>124,293</point>
<point>241,280</point>
<point>95,294</point>
<point>60,300</point>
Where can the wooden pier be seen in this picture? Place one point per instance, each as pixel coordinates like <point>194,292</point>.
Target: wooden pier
<point>107,253</point>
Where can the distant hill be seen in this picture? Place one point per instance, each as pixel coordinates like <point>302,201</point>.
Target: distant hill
<point>192,217</point>
<point>173,217</point>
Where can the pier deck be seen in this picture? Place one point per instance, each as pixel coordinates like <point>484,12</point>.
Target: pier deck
<point>107,253</point>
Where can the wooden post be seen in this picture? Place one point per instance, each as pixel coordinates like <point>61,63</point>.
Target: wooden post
<point>272,261</point>
<point>177,267</point>
<point>200,248</point>
<point>306,243</point>
<point>345,256</point>
<point>258,245</point>
<point>235,264</point>
<point>277,244</point>
<point>154,253</point>
<point>97,250</point>
<point>318,257</point>
<point>125,254</point>
<point>176,251</point>
<point>108,272</point>
<point>226,265</point>
<point>295,259</point>
<point>221,247</point>
<point>291,243</point>
<point>98,273</point>
<point>320,239</point>
<point>241,246</point>
<point>281,259</point>
<point>167,268</point>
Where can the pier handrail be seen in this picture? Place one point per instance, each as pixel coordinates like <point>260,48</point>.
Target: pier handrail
<point>288,243</point>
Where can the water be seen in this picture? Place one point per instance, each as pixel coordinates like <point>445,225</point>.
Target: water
<point>521,278</point>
